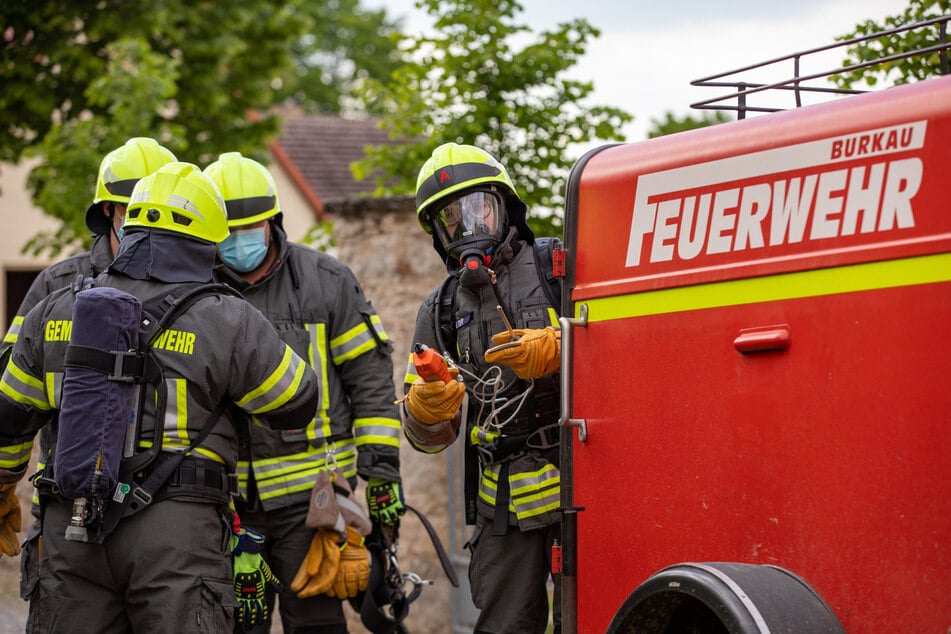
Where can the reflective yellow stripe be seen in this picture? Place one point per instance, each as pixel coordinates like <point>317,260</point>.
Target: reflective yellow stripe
<point>284,475</point>
<point>15,456</point>
<point>24,388</point>
<point>831,281</point>
<point>411,374</point>
<point>378,431</point>
<point>54,388</point>
<point>530,493</point>
<point>352,344</point>
<point>175,423</point>
<point>14,332</point>
<point>317,357</point>
<point>269,394</point>
<point>553,317</point>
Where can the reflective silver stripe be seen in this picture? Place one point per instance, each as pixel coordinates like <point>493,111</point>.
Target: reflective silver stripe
<point>411,374</point>
<point>488,485</point>
<point>537,502</point>
<point>24,388</point>
<point>290,474</point>
<point>278,388</point>
<point>54,385</point>
<point>316,357</point>
<point>377,325</point>
<point>175,422</point>
<point>351,344</point>
<point>14,332</point>
<point>14,456</point>
<point>531,493</point>
<point>380,431</point>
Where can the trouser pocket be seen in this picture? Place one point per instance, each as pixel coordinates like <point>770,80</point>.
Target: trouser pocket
<point>30,561</point>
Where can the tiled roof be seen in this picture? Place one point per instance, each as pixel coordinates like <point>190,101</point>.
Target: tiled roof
<point>317,150</point>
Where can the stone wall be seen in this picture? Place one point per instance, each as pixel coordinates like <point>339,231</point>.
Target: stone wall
<point>395,263</point>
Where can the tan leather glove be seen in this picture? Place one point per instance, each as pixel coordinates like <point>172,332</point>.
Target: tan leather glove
<point>432,402</point>
<point>9,519</point>
<point>320,566</point>
<point>535,353</point>
<point>353,575</point>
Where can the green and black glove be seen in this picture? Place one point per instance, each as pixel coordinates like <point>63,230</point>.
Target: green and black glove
<point>252,578</point>
<point>385,500</point>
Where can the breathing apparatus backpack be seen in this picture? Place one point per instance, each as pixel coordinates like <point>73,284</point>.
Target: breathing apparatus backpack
<point>110,372</point>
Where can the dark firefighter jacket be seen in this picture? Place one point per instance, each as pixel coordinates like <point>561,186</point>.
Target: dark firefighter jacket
<point>319,309</point>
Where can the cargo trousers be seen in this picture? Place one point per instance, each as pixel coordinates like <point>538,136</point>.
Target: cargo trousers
<point>510,573</point>
<point>165,569</point>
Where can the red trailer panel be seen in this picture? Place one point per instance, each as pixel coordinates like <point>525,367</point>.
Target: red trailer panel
<point>763,372</point>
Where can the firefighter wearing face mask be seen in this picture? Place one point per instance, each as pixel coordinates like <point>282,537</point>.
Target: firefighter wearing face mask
<point>492,319</point>
<point>119,171</point>
<point>320,310</point>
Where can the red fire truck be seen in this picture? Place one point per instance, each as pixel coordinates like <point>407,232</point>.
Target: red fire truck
<point>757,374</point>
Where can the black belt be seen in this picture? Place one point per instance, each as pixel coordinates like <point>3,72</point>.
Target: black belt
<point>197,477</point>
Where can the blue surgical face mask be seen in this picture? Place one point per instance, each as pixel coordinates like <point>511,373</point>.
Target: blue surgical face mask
<point>244,249</point>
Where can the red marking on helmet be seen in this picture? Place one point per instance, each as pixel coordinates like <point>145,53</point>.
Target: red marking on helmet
<point>444,176</point>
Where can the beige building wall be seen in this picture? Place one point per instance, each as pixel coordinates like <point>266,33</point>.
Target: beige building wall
<point>298,214</point>
<point>21,221</point>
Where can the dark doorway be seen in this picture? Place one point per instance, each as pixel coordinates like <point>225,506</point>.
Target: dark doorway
<point>18,283</point>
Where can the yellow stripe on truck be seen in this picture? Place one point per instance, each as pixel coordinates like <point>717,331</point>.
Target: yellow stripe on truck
<point>830,281</point>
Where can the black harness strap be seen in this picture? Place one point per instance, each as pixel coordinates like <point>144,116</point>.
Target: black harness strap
<point>500,521</point>
<point>145,369</point>
<point>386,584</point>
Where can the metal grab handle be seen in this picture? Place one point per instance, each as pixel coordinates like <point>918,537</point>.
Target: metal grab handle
<point>566,324</point>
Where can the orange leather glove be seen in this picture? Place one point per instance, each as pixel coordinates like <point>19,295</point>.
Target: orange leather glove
<point>353,576</point>
<point>535,353</point>
<point>432,402</point>
<point>9,519</point>
<point>319,569</point>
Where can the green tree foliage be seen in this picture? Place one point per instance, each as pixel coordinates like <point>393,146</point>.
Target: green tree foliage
<point>901,71</point>
<point>671,124</point>
<point>346,45</point>
<point>468,82</point>
<point>80,77</point>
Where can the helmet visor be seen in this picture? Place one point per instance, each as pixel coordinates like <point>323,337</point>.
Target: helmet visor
<point>471,215</point>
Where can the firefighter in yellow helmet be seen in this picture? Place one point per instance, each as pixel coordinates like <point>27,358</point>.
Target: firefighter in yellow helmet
<point>119,171</point>
<point>146,482</point>
<point>323,314</point>
<point>492,318</point>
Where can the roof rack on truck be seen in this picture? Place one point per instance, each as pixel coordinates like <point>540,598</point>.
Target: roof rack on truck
<point>932,39</point>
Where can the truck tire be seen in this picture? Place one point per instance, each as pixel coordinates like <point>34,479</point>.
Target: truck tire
<point>724,598</point>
